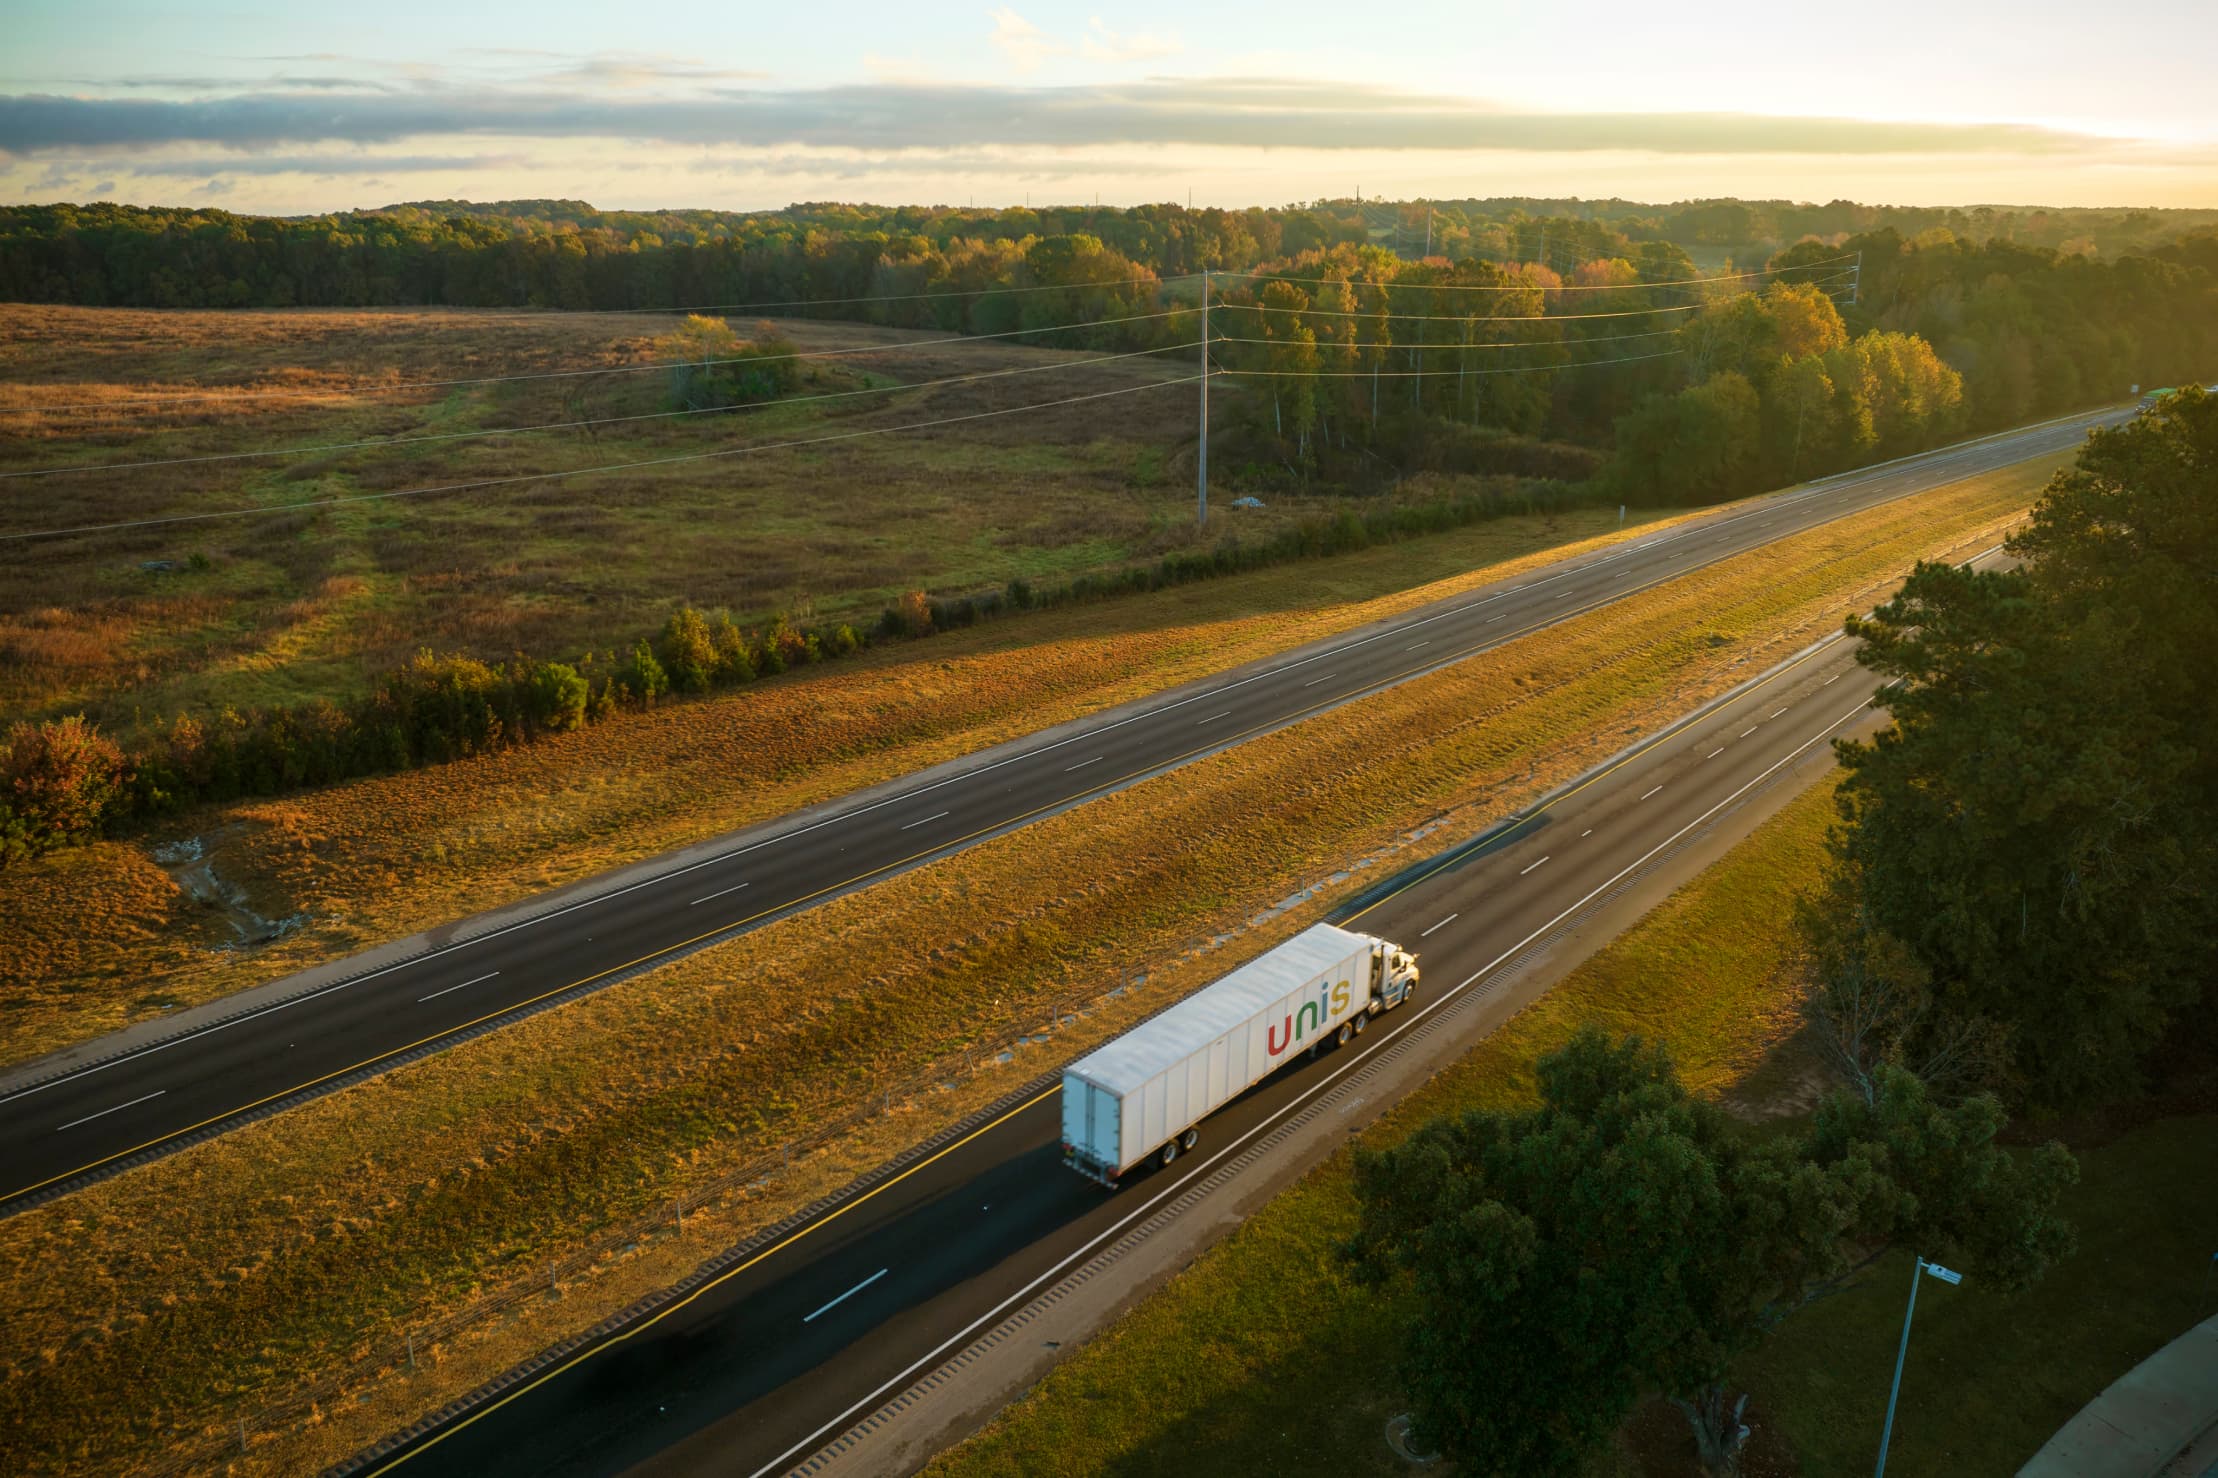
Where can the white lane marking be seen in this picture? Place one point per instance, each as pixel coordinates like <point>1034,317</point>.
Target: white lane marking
<point>119,1108</point>
<point>1300,1101</point>
<point>1489,621</point>
<point>1621,574</point>
<point>1444,923</point>
<point>719,893</point>
<point>850,1293</point>
<point>1836,677</point>
<point>1082,764</point>
<point>1840,482</point>
<point>1316,680</point>
<point>435,995</point>
<point>935,816</point>
<point>1413,646</point>
<point>1752,728</point>
<point>1777,711</point>
<point>1587,833</point>
<point>1652,792</point>
<point>1713,754</point>
<point>1211,719</point>
<point>1522,871</point>
<point>1567,595</point>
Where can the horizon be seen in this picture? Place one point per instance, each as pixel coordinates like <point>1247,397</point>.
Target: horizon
<point>281,113</point>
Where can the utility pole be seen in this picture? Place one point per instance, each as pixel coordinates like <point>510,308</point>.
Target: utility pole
<point>1856,283</point>
<point>1201,462</point>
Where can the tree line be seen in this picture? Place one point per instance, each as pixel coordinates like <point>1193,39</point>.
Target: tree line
<point>63,782</point>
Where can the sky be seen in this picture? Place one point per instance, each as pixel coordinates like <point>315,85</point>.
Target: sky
<point>296,109</point>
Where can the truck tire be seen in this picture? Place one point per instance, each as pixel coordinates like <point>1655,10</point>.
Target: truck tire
<point>1189,1139</point>
<point>1345,1033</point>
<point>1361,1022</point>
<point>1166,1154</point>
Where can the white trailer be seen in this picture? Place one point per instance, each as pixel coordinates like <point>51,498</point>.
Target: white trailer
<point>1143,1096</point>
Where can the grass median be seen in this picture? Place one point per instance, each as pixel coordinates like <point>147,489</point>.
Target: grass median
<point>238,1266</point>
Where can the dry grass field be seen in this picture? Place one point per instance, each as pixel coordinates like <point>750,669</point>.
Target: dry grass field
<point>381,858</point>
<point>307,603</point>
<point>257,1259</point>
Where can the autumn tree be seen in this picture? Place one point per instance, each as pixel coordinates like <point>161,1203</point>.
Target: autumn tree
<point>58,781</point>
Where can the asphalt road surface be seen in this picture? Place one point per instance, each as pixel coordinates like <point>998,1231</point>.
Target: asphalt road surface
<point>755,1371</point>
<point>63,1132</point>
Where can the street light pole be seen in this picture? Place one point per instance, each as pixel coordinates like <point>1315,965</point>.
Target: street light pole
<point>1919,1268</point>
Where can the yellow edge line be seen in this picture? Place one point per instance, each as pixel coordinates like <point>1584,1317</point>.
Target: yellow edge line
<point>728,1273</point>
<point>1236,735</point>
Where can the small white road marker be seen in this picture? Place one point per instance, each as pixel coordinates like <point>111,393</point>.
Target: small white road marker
<point>1752,728</point>
<point>1836,677</point>
<point>1587,833</point>
<point>1713,754</point>
<point>1413,646</point>
<point>1523,870</point>
<point>119,1108</point>
<point>1316,680</point>
<point>1082,764</point>
<point>850,1293</point>
<point>1489,621</point>
<point>1211,719</point>
<point>935,816</point>
<point>1652,792</point>
<point>719,893</point>
<point>480,980</point>
<point>1444,923</point>
<point>1777,711</point>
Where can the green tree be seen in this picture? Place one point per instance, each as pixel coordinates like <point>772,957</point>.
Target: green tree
<point>2037,824</point>
<point>1624,1237</point>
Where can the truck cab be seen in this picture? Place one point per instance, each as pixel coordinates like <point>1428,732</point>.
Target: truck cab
<point>1393,976</point>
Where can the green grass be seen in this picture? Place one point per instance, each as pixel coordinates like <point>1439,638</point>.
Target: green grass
<point>1991,1375</point>
<point>1262,1359</point>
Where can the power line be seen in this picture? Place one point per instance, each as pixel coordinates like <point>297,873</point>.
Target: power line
<point>1322,344</point>
<point>1509,287</point>
<point>614,369</point>
<point>1464,317</point>
<point>444,436</point>
<point>1518,369</point>
<point>631,466</point>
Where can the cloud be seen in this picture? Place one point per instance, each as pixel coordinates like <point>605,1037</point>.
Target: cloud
<point>1104,45</point>
<point>1024,44</point>
<point>1252,113</point>
<point>323,166</point>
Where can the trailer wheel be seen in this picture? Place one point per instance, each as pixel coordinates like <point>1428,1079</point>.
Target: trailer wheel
<point>1167,1154</point>
<point>1346,1032</point>
<point>1189,1139</point>
<point>1359,1023</point>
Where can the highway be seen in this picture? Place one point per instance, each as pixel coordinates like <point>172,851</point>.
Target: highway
<point>107,1113</point>
<point>753,1373</point>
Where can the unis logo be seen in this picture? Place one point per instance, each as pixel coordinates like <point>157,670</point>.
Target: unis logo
<point>1311,1016</point>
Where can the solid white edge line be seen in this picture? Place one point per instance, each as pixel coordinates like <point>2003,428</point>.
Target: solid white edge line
<point>119,1108</point>
<point>480,980</point>
<point>1435,1003</point>
<point>1838,482</point>
<point>850,1293</point>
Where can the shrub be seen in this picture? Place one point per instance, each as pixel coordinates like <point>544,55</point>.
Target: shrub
<point>59,781</point>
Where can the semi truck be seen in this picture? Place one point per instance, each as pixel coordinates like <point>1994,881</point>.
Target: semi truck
<point>1141,1098</point>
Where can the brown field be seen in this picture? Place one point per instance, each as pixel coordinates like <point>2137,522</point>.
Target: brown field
<point>381,858</point>
<point>309,603</point>
<point>250,1262</point>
